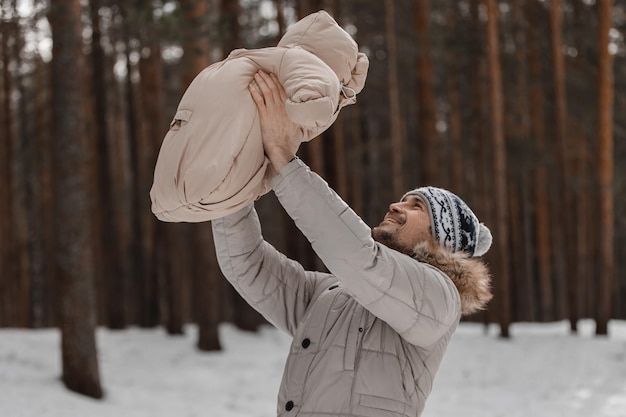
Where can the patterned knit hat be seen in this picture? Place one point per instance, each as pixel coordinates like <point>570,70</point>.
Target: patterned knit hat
<point>454,225</point>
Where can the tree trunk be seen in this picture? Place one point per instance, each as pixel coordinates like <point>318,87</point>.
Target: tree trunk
<point>280,17</point>
<point>196,46</point>
<point>479,178</point>
<point>340,158</point>
<point>229,26</point>
<point>121,127</point>
<point>427,131</point>
<point>477,181</point>
<point>605,168</point>
<point>142,269</point>
<point>6,228</point>
<point>395,116</point>
<point>17,254</point>
<point>520,132</point>
<point>500,172</point>
<point>355,160</point>
<point>560,125</point>
<point>585,179</point>
<point>208,281</point>
<point>45,146</point>
<point>457,166</point>
<point>113,280</point>
<point>306,7</point>
<point>516,134</point>
<point>167,239</point>
<point>123,181</point>
<point>584,218</point>
<point>540,178</point>
<point>515,246</point>
<point>74,255</point>
<point>27,204</point>
<point>173,285</point>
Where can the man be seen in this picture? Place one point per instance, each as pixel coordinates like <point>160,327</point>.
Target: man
<point>368,336</point>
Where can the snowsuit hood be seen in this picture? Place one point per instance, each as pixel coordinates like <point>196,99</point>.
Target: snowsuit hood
<point>319,34</point>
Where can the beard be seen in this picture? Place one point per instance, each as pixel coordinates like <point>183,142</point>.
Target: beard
<point>390,240</point>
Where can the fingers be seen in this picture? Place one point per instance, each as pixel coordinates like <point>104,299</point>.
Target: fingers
<point>255,92</point>
<point>279,87</point>
<point>267,87</point>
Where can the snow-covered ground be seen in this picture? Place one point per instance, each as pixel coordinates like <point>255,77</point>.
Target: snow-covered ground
<point>541,372</point>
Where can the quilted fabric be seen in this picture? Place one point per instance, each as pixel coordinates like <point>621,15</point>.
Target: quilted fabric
<point>211,162</point>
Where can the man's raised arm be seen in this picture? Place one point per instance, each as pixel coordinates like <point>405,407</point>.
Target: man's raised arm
<point>278,287</point>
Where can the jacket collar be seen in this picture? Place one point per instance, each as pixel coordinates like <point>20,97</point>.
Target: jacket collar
<point>470,275</point>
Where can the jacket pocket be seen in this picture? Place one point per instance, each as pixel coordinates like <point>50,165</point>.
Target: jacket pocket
<point>381,403</point>
<point>180,119</point>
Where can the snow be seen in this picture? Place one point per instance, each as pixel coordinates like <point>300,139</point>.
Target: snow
<point>543,371</point>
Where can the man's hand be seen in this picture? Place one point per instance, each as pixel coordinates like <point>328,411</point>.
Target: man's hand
<point>278,131</point>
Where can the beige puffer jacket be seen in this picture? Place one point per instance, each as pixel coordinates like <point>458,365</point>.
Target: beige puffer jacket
<point>211,162</point>
<point>369,336</point>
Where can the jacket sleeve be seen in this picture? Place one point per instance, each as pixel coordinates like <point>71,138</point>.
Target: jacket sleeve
<point>417,300</point>
<point>277,287</point>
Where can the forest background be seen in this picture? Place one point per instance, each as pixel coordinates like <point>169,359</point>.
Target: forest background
<point>517,106</point>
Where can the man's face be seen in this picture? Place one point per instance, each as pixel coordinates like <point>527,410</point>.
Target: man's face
<point>406,224</point>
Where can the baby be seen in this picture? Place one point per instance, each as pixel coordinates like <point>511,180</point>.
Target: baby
<point>211,162</point>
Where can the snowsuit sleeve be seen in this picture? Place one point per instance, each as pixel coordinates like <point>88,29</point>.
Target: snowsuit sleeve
<point>278,287</point>
<point>417,300</point>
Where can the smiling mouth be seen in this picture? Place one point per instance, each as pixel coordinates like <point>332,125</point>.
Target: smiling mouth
<point>392,220</point>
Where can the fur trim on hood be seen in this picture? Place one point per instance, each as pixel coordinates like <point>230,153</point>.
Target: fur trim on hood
<point>470,275</point>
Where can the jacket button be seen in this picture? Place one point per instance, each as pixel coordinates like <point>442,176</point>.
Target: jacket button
<point>289,405</point>
<point>306,343</point>
<point>360,330</point>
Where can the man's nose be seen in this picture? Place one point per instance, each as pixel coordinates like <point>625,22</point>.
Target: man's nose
<point>395,207</point>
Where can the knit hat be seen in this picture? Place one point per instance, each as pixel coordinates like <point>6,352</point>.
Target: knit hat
<point>454,225</point>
